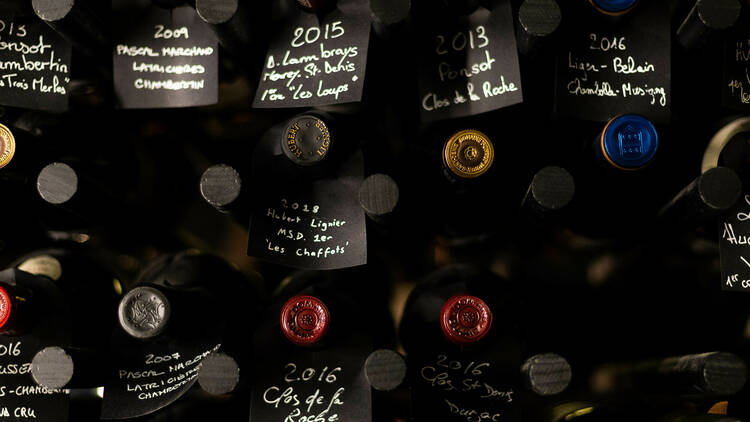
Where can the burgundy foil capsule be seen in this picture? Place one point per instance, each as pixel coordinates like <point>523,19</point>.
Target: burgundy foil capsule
<point>5,308</point>
<point>304,320</point>
<point>465,319</point>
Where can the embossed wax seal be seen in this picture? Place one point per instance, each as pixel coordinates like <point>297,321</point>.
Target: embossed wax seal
<point>7,145</point>
<point>468,153</point>
<point>465,319</point>
<point>306,140</point>
<point>144,312</point>
<point>5,307</point>
<point>304,319</point>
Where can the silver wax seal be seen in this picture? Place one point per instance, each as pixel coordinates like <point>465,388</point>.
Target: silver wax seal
<point>144,312</point>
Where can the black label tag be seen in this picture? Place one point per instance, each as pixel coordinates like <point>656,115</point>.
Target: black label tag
<point>313,62</point>
<point>20,398</point>
<point>315,385</point>
<point>605,69</point>
<point>315,225</point>
<point>34,65</point>
<point>146,376</point>
<point>468,65</point>
<point>734,247</point>
<point>736,83</point>
<point>463,387</point>
<point>164,58</point>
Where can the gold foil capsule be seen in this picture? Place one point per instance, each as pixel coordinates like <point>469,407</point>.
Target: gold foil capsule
<point>7,145</point>
<point>468,153</point>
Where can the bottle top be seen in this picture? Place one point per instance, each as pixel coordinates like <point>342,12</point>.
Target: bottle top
<point>52,367</point>
<point>7,145</point>
<point>219,374</point>
<point>220,185</point>
<point>629,141</point>
<point>539,17</point>
<point>144,312</point>
<point>465,319</point>
<point>306,140</point>
<point>304,320</point>
<point>468,153</point>
<point>613,7</point>
<point>546,373</point>
<point>720,14</point>
<point>5,307</point>
<point>57,183</point>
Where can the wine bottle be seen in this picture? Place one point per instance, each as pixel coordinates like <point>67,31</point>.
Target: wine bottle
<point>612,181</point>
<point>706,196</point>
<point>700,376</point>
<point>705,18</point>
<point>378,196</point>
<point>315,339</point>
<point>184,307</point>
<point>537,22</point>
<point>76,269</point>
<point>462,334</point>
<point>163,300</point>
<point>221,187</point>
<point>230,20</point>
<point>80,22</point>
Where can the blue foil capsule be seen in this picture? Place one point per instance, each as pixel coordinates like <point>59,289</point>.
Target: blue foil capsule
<point>613,6</point>
<point>628,142</point>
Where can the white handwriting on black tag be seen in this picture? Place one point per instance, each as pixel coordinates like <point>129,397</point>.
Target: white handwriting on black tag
<point>312,62</point>
<point>734,247</point>
<point>736,80</point>
<point>167,59</point>
<point>605,69</point>
<point>34,65</point>
<point>20,398</point>
<point>469,65</point>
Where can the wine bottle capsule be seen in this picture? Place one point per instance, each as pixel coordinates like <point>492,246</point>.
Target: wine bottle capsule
<point>304,320</point>
<point>15,315</point>
<point>465,319</point>
<point>306,140</point>
<point>144,312</point>
<point>627,142</point>
<point>468,154</point>
<point>614,7</point>
<point>7,145</point>
<point>5,308</point>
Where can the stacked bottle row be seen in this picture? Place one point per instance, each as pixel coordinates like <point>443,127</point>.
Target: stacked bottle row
<point>476,346</point>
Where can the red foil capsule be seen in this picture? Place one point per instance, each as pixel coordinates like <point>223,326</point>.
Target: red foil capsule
<point>465,319</point>
<point>5,308</point>
<point>304,320</point>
